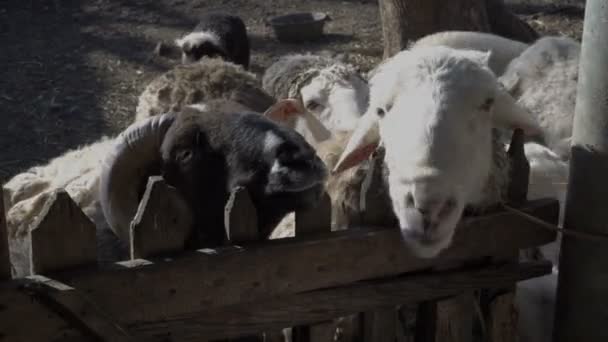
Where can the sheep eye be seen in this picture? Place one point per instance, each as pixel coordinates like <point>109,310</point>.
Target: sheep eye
<point>184,156</point>
<point>487,104</point>
<point>380,112</point>
<point>312,105</point>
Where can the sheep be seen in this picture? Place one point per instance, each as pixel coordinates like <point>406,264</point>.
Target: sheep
<point>206,154</point>
<point>217,35</point>
<point>77,171</point>
<point>209,78</point>
<point>281,173</point>
<point>322,87</point>
<point>434,108</point>
<point>544,81</point>
<point>504,50</point>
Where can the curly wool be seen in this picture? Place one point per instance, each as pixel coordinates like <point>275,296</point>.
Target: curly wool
<point>286,77</point>
<point>209,78</point>
<point>544,79</point>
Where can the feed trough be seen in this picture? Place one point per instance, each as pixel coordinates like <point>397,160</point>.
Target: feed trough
<point>298,27</point>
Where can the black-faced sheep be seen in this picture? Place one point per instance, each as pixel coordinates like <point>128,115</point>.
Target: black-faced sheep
<point>204,155</point>
<point>217,35</point>
<point>207,79</point>
<point>441,152</point>
<point>326,88</point>
<point>202,150</point>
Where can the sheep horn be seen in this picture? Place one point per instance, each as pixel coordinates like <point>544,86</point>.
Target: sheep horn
<point>135,151</point>
<point>362,143</point>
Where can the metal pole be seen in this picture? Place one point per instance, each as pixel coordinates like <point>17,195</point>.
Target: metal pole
<point>582,292</point>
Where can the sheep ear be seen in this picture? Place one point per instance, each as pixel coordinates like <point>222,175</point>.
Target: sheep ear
<point>509,114</point>
<point>362,143</point>
<point>284,110</point>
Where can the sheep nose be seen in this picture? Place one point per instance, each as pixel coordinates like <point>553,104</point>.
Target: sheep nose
<point>431,210</point>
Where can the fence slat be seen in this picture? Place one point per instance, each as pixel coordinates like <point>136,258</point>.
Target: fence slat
<point>62,237</point>
<point>321,305</point>
<point>240,217</point>
<point>5,261</point>
<point>162,223</point>
<point>380,325</point>
<point>314,220</point>
<point>502,320</point>
<point>519,173</point>
<point>241,225</point>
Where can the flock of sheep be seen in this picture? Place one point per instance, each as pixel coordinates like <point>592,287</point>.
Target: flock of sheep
<point>438,111</point>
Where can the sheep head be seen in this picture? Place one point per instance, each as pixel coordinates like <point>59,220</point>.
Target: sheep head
<point>204,154</point>
<point>434,109</point>
<point>195,45</point>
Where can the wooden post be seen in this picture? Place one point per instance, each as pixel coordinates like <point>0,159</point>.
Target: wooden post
<point>62,237</point>
<point>311,221</point>
<point>5,261</point>
<point>519,174</point>
<point>582,291</point>
<point>241,225</point>
<point>162,223</point>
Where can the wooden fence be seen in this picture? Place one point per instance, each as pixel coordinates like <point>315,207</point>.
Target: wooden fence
<point>364,276</point>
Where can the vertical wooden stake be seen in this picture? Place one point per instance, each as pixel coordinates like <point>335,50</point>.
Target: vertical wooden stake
<point>162,223</point>
<point>62,237</point>
<point>519,174</point>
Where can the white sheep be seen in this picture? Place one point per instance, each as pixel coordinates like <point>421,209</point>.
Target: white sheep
<point>544,81</point>
<point>503,50</point>
<point>207,79</point>
<point>434,109</point>
<point>326,88</point>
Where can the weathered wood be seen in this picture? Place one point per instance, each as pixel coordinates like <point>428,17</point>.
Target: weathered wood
<point>213,278</point>
<point>75,309</point>
<point>315,220</point>
<point>162,223</point>
<point>519,173</point>
<point>455,319</point>
<point>320,305</point>
<point>502,318</point>
<point>241,225</point>
<point>406,20</point>
<point>25,319</point>
<point>5,261</point>
<point>240,217</point>
<point>62,237</point>
<point>380,325</point>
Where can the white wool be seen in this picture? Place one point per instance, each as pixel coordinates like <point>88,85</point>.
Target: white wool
<point>544,81</point>
<point>76,171</point>
<point>503,50</point>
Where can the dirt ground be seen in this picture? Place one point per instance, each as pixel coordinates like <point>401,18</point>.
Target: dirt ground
<point>72,69</point>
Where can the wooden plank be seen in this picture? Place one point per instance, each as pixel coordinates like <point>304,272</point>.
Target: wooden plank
<point>315,220</point>
<point>62,237</point>
<point>380,325</point>
<point>240,217</point>
<point>162,223</point>
<point>519,172</point>
<point>455,319</point>
<point>214,278</point>
<point>76,309</point>
<point>25,319</point>
<point>321,305</point>
<point>5,261</point>
<point>241,225</point>
<point>502,319</point>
